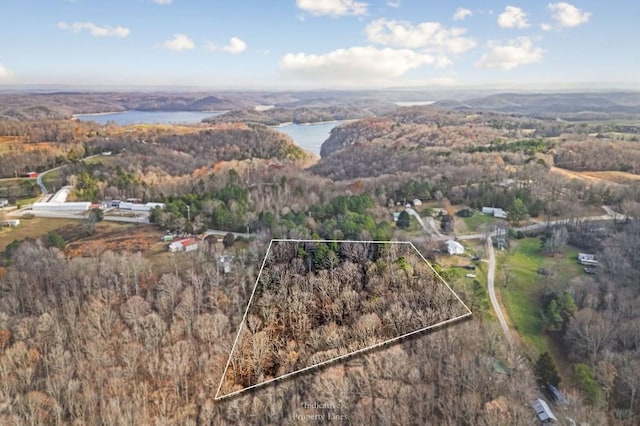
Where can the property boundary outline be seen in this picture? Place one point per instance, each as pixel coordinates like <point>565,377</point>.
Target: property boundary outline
<point>219,397</point>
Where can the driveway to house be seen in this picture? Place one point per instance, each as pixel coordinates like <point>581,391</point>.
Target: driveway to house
<point>491,275</point>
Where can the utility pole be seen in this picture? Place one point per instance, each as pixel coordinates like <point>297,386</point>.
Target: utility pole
<point>188,214</point>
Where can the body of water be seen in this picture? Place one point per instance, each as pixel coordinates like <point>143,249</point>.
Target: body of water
<point>149,117</point>
<point>413,103</point>
<point>307,136</point>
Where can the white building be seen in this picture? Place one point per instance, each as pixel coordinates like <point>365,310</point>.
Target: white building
<point>61,195</point>
<point>587,259</point>
<point>495,212</point>
<point>186,245</point>
<point>454,247</point>
<point>126,205</point>
<point>10,222</point>
<point>80,206</point>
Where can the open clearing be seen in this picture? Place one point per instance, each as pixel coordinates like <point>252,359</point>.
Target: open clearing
<point>117,238</point>
<point>32,228</point>
<point>522,295</point>
<point>615,177</point>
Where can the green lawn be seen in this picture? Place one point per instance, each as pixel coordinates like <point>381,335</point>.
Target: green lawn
<point>463,286</point>
<point>521,297</point>
<point>522,294</point>
<point>477,222</point>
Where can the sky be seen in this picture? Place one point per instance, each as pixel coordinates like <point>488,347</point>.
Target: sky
<point>311,44</point>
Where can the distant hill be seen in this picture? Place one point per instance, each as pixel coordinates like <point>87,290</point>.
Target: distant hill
<point>563,105</point>
<point>275,116</point>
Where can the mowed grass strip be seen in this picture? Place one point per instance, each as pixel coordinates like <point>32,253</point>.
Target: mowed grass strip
<point>526,287</point>
<point>521,296</point>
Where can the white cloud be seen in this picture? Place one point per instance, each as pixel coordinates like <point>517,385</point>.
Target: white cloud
<point>179,42</point>
<point>510,55</point>
<point>332,7</point>
<point>461,14</point>
<point>95,30</point>
<point>546,27</point>
<point>395,4</point>
<point>161,1</point>
<point>358,64</point>
<point>5,74</point>
<point>513,17</point>
<point>567,15</point>
<point>428,35</point>
<point>235,46</point>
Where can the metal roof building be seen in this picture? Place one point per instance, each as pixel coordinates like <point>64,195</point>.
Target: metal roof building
<point>544,413</point>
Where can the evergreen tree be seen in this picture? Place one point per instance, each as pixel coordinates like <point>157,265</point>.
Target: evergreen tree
<point>518,210</point>
<point>404,220</point>
<point>546,372</point>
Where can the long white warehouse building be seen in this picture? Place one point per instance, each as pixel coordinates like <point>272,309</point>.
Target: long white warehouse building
<point>79,206</point>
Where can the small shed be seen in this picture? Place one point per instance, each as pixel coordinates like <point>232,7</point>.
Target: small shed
<point>544,413</point>
<point>10,222</point>
<point>454,247</point>
<point>587,259</point>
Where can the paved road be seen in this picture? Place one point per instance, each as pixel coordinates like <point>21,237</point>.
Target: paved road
<point>415,214</point>
<point>218,232</point>
<point>491,275</point>
<point>43,189</point>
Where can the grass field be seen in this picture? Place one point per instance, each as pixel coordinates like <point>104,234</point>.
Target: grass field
<point>455,275</point>
<point>478,222</point>
<point>32,228</point>
<point>521,297</point>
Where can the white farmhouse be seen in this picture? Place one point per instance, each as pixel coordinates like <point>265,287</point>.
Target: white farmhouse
<point>454,247</point>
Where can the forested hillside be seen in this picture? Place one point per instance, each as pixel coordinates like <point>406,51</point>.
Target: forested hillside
<point>105,340</point>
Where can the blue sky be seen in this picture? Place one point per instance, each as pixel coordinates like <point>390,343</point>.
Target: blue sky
<point>282,44</point>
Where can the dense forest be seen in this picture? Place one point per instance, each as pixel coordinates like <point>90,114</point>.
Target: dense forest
<point>340,297</point>
<point>105,340</point>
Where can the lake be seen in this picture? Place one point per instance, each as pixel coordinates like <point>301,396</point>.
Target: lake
<point>307,136</point>
<point>413,103</point>
<point>149,117</point>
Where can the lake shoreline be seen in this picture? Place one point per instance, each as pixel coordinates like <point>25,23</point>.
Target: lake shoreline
<point>308,136</point>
